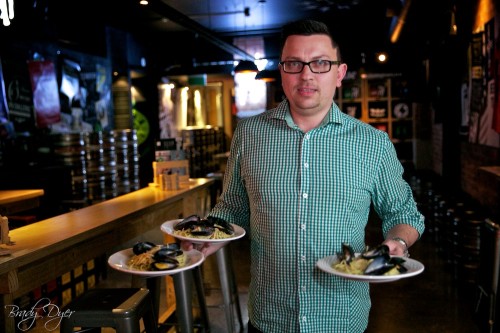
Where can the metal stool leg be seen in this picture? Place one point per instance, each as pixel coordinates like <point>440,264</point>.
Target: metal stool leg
<point>228,286</point>
<point>154,285</point>
<point>200,291</point>
<point>183,294</point>
<point>235,294</point>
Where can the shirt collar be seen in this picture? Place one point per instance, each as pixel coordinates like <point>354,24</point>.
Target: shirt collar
<point>282,111</point>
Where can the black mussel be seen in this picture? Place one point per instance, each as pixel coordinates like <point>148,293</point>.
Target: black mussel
<point>221,224</point>
<point>171,246</point>
<point>188,222</point>
<point>164,253</point>
<point>142,247</point>
<point>165,264</point>
<point>380,265</point>
<point>376,252</point>
<point>347,253</point>
<point>398,262</point>
<point>203,228</point>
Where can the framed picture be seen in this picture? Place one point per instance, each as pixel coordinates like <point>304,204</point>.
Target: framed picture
<point>378,88</point>
<point>377,110</point>
<point>401,110</point>
<point>402,130</point>
<point>381,126</point>
<point>352,109</point>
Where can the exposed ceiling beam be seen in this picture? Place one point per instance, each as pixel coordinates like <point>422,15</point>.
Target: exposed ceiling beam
<point>174,15</point>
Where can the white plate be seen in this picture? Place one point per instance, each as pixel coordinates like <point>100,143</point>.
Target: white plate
<point>168,228</point>
<point>120,259</point>
<point>414,267</point>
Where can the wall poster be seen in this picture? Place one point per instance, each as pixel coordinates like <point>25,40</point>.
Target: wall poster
<point>484,106</point>
<point>45,95</point>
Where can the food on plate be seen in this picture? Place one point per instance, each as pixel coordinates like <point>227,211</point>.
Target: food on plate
<point>376,261</point>
<point>209,228</point>
<point>152,257</point>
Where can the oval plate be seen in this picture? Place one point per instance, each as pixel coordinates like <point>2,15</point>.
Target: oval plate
<point>168,228</point>
<point>120,259</point>
<point>414,268</point>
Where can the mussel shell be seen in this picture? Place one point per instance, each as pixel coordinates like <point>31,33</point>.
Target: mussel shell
<point>171,246</point>
<point>398,262</point>
<point>380,265</point>
<point>378,251</point>
<point>187,222</point>
<point>165,264</point>
<point>166,253</point>
<point>221,224</point>
<point>202,229</point>
<point>347,253</point>
<point>142,247</point>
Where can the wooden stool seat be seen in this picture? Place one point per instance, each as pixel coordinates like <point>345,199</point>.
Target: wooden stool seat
<point>119,308</point>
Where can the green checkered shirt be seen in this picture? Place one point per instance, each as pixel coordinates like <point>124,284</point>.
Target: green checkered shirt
<point>300,195</point>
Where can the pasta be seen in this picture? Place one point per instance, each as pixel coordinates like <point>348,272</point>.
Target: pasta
<point>358,265</point>
<point>145,261</point>
<point>217,234</point>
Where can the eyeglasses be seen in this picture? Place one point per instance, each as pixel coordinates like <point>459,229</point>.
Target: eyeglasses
<point>316,66</point>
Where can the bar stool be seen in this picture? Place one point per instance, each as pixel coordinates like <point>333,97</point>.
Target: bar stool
<point>119,308</point>
<point>183,282</point>
<point>228,287</point>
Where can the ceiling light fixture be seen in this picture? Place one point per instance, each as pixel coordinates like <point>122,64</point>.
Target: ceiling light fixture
<point>7,9</point>
<point>246,66</point>
<point>267,75</point>
<point>144,2</point>
<point>453,23</point>
<point>399,22</point>
<point>382,57</point>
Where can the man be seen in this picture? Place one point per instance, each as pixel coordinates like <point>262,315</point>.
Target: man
<point>301,179</point>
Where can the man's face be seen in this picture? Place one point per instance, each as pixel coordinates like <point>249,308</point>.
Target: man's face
<point>310,93</point>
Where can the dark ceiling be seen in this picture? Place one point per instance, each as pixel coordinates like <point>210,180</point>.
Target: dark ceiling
<point>200,31</point>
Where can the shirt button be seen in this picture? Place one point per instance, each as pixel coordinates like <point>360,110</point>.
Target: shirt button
<point>306,165</point>
<point>307,137</point>
<point>304,195</point>
<point>303,258</point>
<point>304,318</point>
<point>303,227</point>
<point>304,288</point>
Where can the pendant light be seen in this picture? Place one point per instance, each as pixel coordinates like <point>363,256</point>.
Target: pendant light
<point>246,66</point>
<point>267,75</point>
<point>7,10</point>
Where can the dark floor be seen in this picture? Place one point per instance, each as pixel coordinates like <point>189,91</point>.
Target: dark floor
<point>430,302</point>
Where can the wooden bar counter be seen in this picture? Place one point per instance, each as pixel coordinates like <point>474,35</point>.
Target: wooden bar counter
<point>47,249</point>
<point>15,201</point>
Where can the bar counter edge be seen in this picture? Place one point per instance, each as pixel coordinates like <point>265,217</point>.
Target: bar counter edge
<point>44,250</point>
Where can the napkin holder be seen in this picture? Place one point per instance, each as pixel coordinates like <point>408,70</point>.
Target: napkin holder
<point>4,230</point>
<point>171,175</point>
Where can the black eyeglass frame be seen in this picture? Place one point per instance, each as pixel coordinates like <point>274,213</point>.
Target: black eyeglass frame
<point>331,62</point>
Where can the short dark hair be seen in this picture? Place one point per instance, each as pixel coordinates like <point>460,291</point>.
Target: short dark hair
<point>307,27</point>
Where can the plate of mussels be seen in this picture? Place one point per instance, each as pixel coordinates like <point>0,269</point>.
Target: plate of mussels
<point>373,265</point>
<point>149,260</point>
<point>200,230</point>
